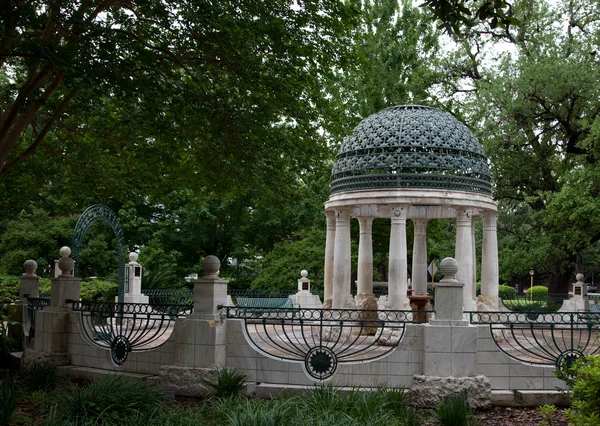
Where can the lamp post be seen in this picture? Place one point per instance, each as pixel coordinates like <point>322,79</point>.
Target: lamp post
<point>531,274</point>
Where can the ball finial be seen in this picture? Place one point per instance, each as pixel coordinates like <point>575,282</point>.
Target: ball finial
<point>65,251</point>
<point>304,273</point>
<point>449,268</point>
<point>30,266</point>
<point>580,277</point>
<point>133,257</point>
<point>210,266</point>
<point>66,264</point>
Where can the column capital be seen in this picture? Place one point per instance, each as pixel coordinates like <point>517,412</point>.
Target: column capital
<point>420,226</point>
<point>342,216</point>
<point>489,220</point>
<point>463,217</point>
<point>399,211</point>
<point>365,224</point>
<point>330,219</point>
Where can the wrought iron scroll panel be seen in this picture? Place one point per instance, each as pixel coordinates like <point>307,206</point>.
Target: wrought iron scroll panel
<point>321,339</point>
<point>543,338</point>
<point>127,327</point>
<point>33,304</point>
<point>89,216</point>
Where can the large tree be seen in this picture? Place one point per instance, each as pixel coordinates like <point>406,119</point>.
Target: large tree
<point>535,107</point>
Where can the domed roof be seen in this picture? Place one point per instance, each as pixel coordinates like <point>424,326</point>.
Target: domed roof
<point>411,146</point>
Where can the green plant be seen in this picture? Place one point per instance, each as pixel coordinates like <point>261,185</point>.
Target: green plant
<point>538,292</point>
<point>230,382</point>
<point>7,342</point>
<point>113,398</point>
<point>547,411</point>
<point>99,290</point>
<point>8,398</point>
<point>584,379</point>
<point>478,289</point>
<point>454,410</point>
<point>39,376</point>
<point>410,416</point>
<point>506,292</point>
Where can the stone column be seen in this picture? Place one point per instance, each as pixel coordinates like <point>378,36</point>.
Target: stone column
<point>398,264</point>
<point>329,256</point>
<point>200,338</point>
<point>419,263</point>
<point>464,255</point>
<point>366,298</point>
<point>54,324</point>
<point>341,297</point>
<point>489,260</point>
<point>29,287</point>
<point>474,255</point>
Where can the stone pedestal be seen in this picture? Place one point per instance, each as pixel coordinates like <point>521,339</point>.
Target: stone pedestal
<point>579,301</point>
<point>133,290</point>
<point>200,338</point>
<point>304,298</point>
<point>52,323</point>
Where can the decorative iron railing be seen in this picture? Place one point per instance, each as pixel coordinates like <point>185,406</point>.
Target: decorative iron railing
<point>171,296</point>
<point>33,304</point>
<point>321,339</point>
<point>543,339</point>
<point>541,303</point>
<point>127,327</point>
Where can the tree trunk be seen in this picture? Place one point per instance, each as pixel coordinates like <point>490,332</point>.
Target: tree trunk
<point>560,283</point>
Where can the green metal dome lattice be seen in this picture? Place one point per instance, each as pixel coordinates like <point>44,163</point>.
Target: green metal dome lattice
<point>411,146</point>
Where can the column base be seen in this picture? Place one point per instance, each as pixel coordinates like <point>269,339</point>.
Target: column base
<point>368,302</point>
<point>421,303</point>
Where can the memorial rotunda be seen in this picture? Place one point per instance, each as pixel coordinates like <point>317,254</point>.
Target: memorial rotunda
<point>415,163</point>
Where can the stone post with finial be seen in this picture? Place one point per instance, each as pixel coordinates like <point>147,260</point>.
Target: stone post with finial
<point>133,286</point>
<point>52,324</point>
<point>579,301</point>
<point>450,343</point>
<point>29,281</point>
<point>200,338</point>
<point>66,286</point>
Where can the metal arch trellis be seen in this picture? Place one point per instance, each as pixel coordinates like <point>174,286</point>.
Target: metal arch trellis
<point>90,215</point>
<point>557,338</point>
<point>321,339</point>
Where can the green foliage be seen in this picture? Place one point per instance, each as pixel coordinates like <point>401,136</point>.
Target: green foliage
<point>113,399</point>
<point>161,278</point>
<point>39,376</point>
<point>230,383</point>
<point>585,383</point>
<point>538,292</point>
<point>99,290</point>
<point>506,292</point>
<point>9,289</point>
<point>547,411</point>
<point>280,269</point>
<point>454,410</point>
<point>478,288</point>
<point>8,398</point>
<point>8,343</point>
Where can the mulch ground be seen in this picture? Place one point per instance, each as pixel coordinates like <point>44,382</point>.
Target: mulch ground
<point>521,416</point>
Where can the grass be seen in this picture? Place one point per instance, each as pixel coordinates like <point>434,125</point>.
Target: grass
<point>230,382</point>
<point>455,410</point>
<point>8,399</point>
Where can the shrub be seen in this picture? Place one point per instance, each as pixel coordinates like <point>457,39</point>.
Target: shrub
<point>538,292</point>
<point>230,382</point>
<point>114,399</point>
<point>478,289</point>
<point>454,410</point>
<point>506,292</point>
<point>99,290</point>
<point>39,376</point>
<point>585,382</point>
<point>8,399</point>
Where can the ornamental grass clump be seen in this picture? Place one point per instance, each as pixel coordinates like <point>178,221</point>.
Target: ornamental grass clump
<point>8,398</point>
<point>454,410</point>
<point>230,382</point>
<point>39,376</point>
<point>114,399</point>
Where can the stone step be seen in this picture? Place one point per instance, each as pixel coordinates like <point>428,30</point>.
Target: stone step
<point>529,398</point>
